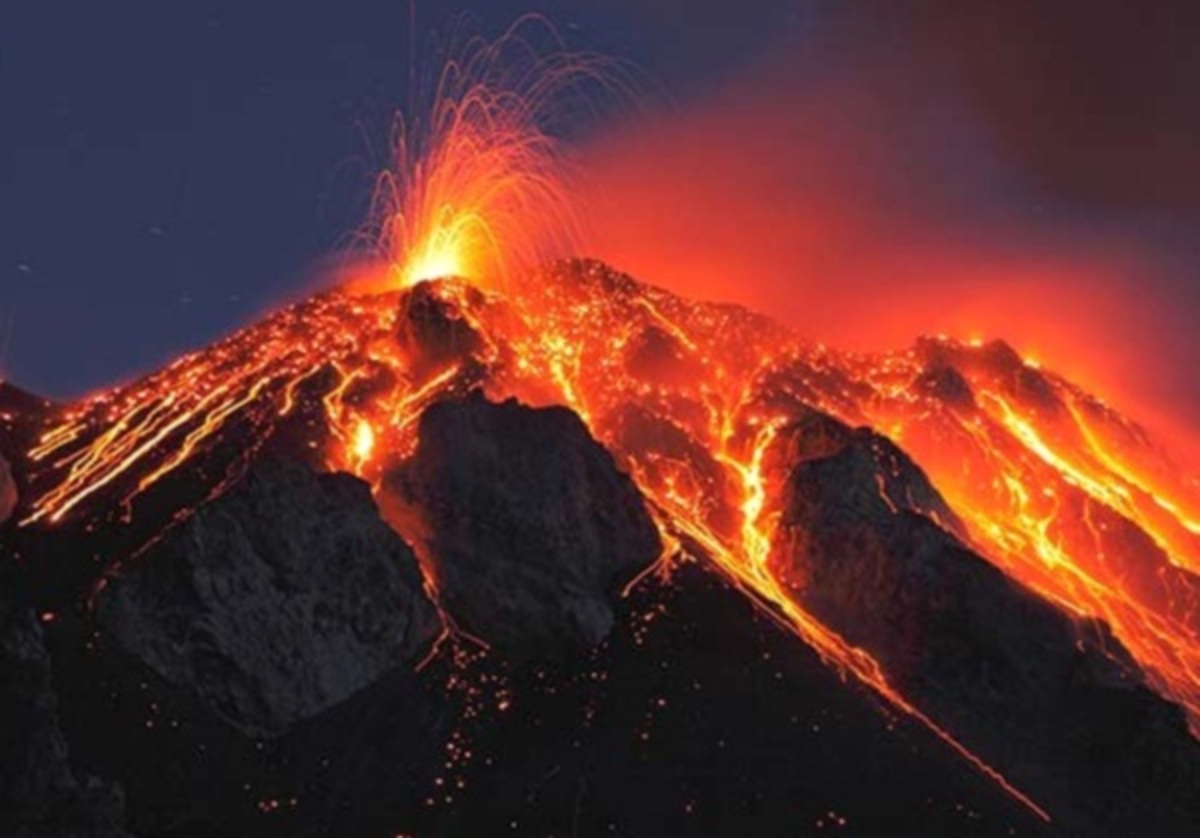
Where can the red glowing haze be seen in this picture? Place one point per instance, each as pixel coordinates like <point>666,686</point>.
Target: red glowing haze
<point>867,207</point>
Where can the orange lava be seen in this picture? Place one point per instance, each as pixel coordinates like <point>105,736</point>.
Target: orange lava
<point>473,184</point>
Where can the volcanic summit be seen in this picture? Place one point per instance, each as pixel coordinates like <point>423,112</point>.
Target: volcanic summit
<point>586,555</point>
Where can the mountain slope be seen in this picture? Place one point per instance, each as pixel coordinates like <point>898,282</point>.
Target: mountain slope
<point>1015,591</point>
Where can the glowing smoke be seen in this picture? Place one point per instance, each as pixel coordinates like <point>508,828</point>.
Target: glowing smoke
<point>863,198</point>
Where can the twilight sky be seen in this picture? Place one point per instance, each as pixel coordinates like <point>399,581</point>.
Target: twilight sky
<point>172,169</point>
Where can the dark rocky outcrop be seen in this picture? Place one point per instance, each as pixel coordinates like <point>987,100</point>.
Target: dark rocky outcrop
<point>434,329</point>
<point>1057,704</point>
<point>995,362</point>
<point>8,491</point>
<point>22,416</point>
<point>275,601</point>
<point>40,794</point>
<point>533,529</point>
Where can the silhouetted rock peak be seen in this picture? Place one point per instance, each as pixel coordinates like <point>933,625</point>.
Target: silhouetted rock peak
<point>8,491</point>
<point>947,385</point>
<point>435,329</point>
<point>949,363</point>
<point>533,528</point>
<point>877,478</point>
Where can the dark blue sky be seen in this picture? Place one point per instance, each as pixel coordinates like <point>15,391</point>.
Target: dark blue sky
<point>171,169</point>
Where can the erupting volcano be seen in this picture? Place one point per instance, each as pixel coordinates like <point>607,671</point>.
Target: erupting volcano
<point>954,530</point>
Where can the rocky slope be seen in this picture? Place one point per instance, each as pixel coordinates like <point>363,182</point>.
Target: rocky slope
<point>8,491</point>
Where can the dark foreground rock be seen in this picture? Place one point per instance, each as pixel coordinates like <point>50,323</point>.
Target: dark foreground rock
<point>276,601</point>
<point>22,415</point>
<point>1057,705</point>
<point>8,491</point>
<point>533,529</point>
<point>698,716</point>
<point>41,796</point>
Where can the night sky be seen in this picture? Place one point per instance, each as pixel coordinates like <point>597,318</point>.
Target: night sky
<point>172,170</point>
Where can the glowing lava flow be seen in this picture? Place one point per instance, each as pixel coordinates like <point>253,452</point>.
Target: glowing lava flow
<point>747,566</point>
<point>584,346</point>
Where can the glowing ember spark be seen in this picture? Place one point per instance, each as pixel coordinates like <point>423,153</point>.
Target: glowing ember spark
<point>481,187</point>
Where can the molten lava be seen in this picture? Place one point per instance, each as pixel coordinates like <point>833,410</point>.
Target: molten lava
<point>481,188</point>
<point>1056,488</point>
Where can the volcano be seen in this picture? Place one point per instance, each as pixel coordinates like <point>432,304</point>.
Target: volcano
<point>586,557</point>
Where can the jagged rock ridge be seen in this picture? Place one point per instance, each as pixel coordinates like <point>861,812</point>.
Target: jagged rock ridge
<point>8,491</point>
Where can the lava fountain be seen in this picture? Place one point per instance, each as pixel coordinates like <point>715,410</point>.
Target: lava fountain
<point>480,185</point>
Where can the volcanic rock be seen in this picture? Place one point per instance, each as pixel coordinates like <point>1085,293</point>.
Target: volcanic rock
<point>708,720</point>
<point>1057,703</point>
<point>275,601</point>
<point>8,491</point>
<point>995,361</point>
<point>22,415</point>
<point>676,726</point>
<point>434,329</point>
<point>878,473</point>
<point>947,385</point>
<point>40,795</point>
<point>533,529</point>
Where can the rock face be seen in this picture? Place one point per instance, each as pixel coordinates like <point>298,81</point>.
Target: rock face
<point>533,529</point>
<point>434,331</point>
<point>276,601</point>
<point>1057,704</point>
<point>39,793</point>
<point>8,491</point>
